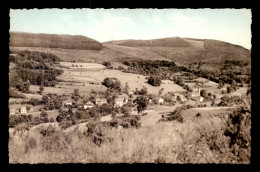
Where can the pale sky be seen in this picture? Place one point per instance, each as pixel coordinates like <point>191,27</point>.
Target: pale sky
<point>229,25</point>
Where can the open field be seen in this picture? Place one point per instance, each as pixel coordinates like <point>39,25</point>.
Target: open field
<point>97,76</point>
<point>52,90</point>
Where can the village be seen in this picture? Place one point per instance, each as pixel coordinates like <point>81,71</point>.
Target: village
<point>86,79</point>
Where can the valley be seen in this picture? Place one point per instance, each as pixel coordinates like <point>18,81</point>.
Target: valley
<point>129,101</point>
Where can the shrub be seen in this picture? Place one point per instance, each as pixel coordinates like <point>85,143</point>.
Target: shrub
<point>154,80</point>
<point>15,94</point>
<point>107,64</point>
<point>46,120</point>
<point>176,115</point>
<point>41,88</point>
<point>43,114</point>
<point>17,119</point>
<point>189,106</point>
<point>54,140</point>
<point>238,129</point>
<point>142,103</point>
<point>51,120</point>
<point>198,114</point>
<point>95,132</point>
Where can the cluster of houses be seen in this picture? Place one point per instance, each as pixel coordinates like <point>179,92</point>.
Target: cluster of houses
<point>119,102</point>
<point>22,111</point>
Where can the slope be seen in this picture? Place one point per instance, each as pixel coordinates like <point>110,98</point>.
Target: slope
<point>21,39</point>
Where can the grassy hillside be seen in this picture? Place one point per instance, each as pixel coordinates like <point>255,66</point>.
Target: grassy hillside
<point>82,49</point>
<point>20,39</point>
<point>165,42</point>
<point>186,50</point>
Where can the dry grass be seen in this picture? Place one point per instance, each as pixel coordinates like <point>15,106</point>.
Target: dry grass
<point>196,140</point>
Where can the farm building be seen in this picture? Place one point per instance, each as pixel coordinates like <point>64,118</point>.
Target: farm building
<point>23,110</point>
<point>121,101</point>
<point>12,111</point>
<point>67,103</point>
<point>161,100</point>
<point>195,93</point>
<point>100,101</point>
<point>89,104</point>
<point>201,99</point>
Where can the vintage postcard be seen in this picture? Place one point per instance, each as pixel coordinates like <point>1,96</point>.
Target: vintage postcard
<point>130,86</point>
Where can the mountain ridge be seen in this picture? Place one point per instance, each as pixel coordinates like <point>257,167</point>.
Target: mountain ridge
<point>24,39</point>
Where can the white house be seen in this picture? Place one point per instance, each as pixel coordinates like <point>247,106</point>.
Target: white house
<point>120,101</point>
<point>201,99</point>
<point>67,104</point>
<point>23,110</point>
<point>12,111</point>
<point>89,104</point>
<point>100,101</point>
<point>161,100</point>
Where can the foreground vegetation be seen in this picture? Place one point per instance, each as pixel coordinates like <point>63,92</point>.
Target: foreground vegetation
<point>204,139</point>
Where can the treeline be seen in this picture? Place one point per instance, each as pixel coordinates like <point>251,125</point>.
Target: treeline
<point>229,70</point>
<point>157,68</point>
<point>33,68</point>
<point>237,62</point>
<point>149,63</point>
<point>34,55</point>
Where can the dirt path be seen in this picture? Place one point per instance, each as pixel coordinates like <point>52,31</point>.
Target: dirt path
<point>213,108</point>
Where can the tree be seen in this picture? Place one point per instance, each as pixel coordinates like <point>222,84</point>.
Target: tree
<point>51,120</point>
<point>111,96</point>
<point>154,80</point>
<point>126,110</point>
<point>34,101</point>
<point>230,89</point>
<point>41,88</point>
<point>30,117</point>
<point>75,95</point>
<point>51,105</point>
<point>43,114</point>
<point>45,99</point>
<point>143,91</point>
<point>61,116</point>
<point>142,103</point>
<point>221,84</point>
<point>28,108</point>
<point>57,103</point>
<point>26,86</point>
<point>112,83</point>
<point>203,93</point>
<point>46,120</point>
<point>40,79</point>
<point>126,89</point>
<point>160,92</point>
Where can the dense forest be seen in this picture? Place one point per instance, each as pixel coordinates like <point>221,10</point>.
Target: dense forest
<point>33,68</point>
<point>230,71</point>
